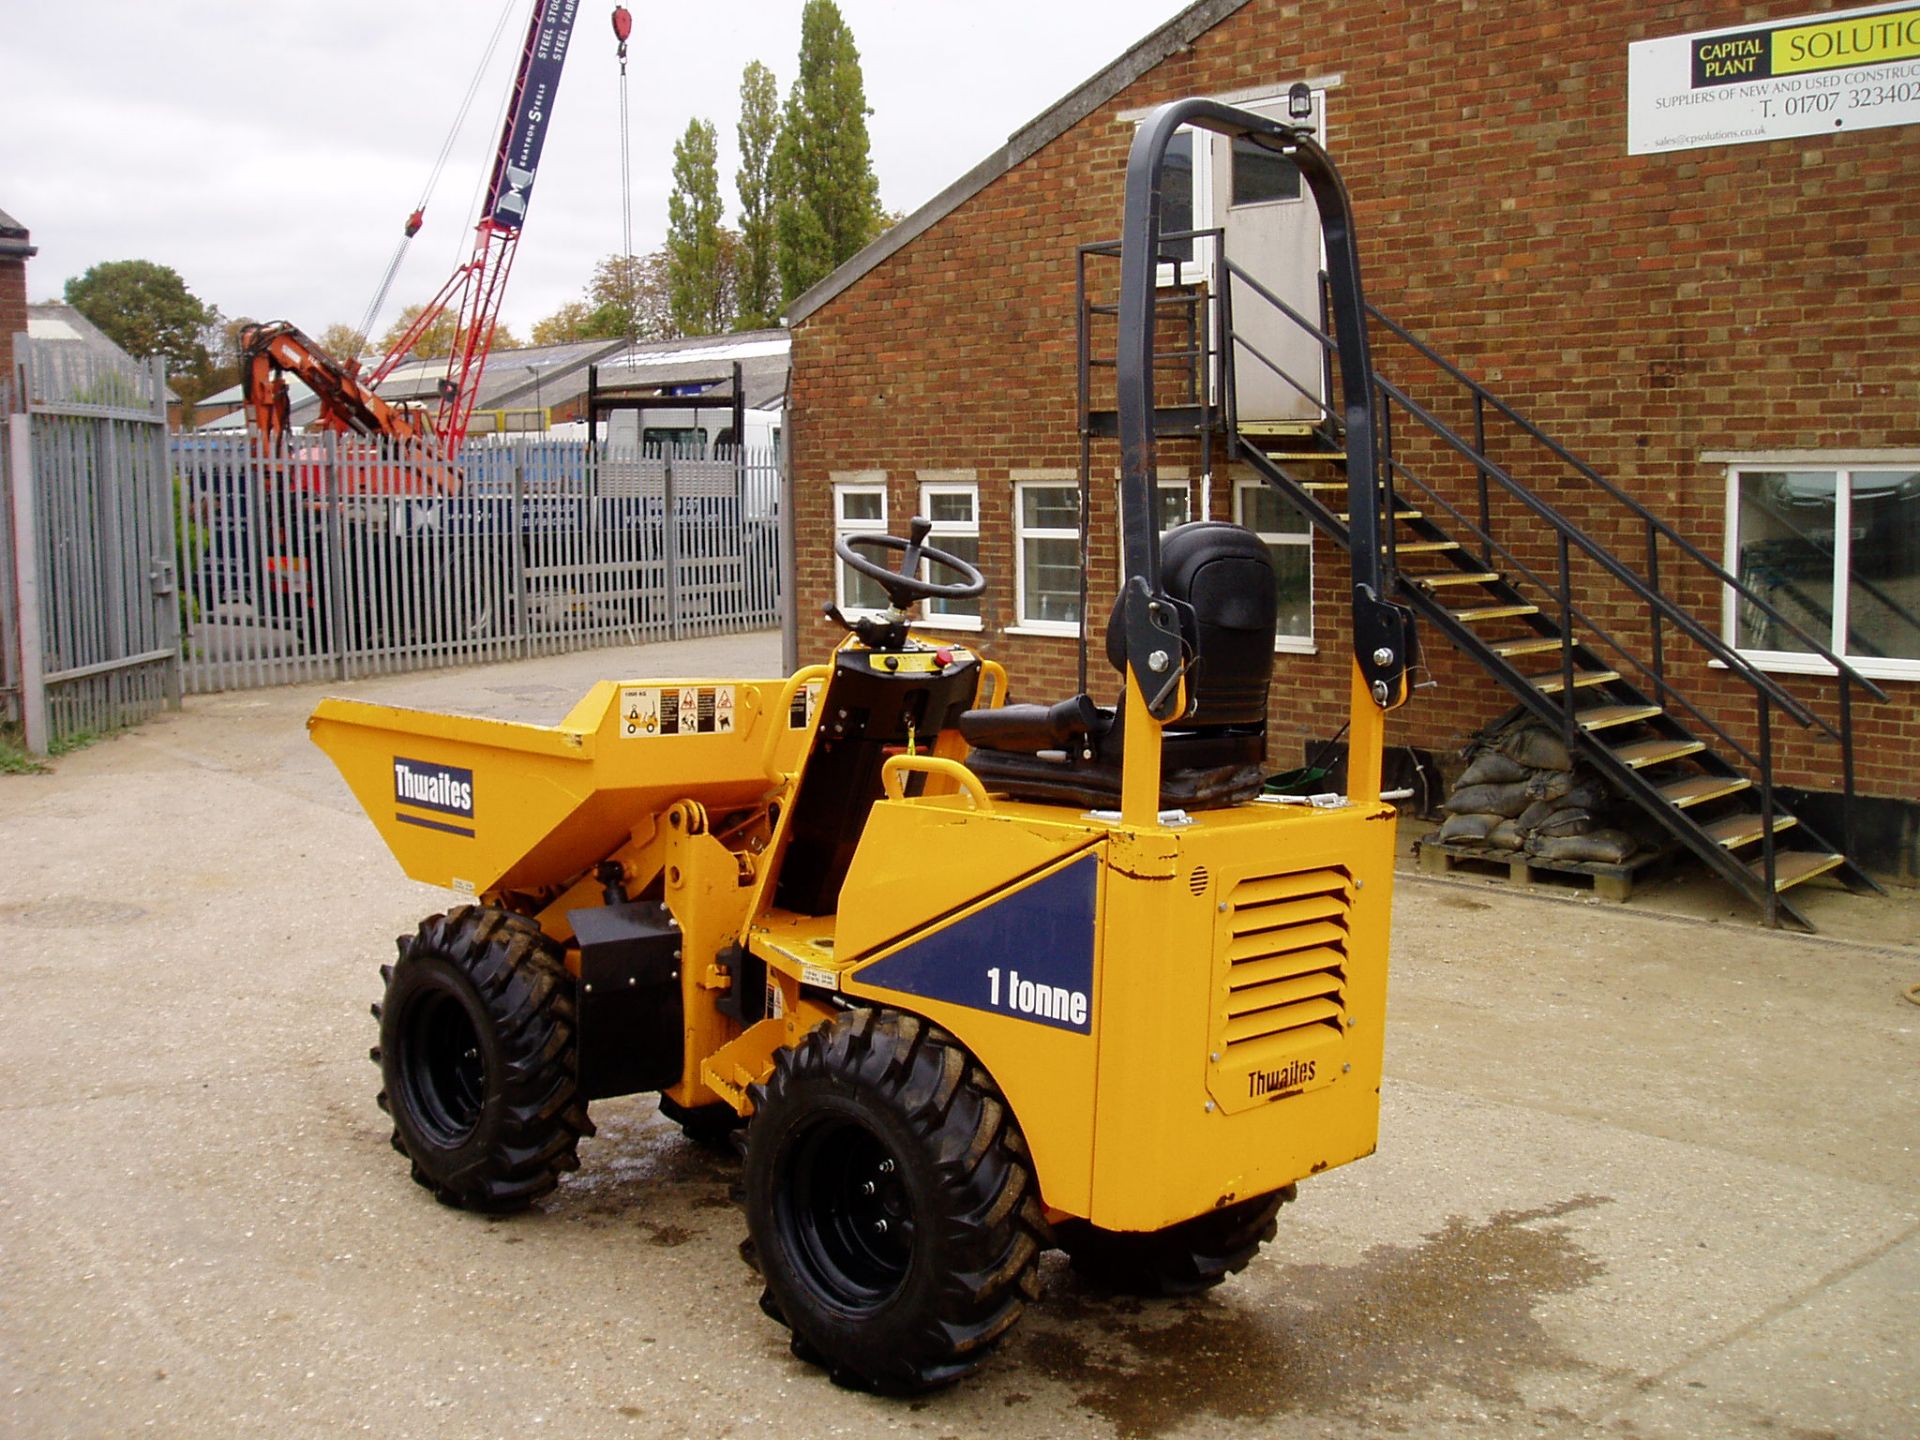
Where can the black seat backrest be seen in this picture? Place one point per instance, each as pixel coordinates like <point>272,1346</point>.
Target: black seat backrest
<point>1223,572</point>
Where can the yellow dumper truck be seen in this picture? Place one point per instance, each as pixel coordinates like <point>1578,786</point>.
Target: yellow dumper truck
<point>972,979</point>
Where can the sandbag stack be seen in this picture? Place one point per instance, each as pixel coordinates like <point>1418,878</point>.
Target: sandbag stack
<point>1523,791</point>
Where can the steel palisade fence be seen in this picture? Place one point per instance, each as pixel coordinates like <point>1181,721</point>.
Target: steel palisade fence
<point>300,562</point>
<point>90,615</point>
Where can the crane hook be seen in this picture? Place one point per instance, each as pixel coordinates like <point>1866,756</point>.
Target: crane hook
<point>622,29</point>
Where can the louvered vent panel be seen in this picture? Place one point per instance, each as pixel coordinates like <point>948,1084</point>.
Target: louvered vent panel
<point>1286,960</point>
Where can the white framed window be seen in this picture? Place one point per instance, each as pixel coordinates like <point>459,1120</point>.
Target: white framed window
<point>1289,540</point>
<point>952,503</point>
<point>1834,551</point>
<point>1186,203</point>
<point>859,507</point>
<point>1046,555</point>
<point>1172,505</point>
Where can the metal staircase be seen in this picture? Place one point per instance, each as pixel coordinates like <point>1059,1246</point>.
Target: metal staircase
<point>1485,548</point>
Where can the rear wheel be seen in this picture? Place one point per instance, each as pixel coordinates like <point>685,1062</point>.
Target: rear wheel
<point>890,1202</point>
<point>1182,1259</point>
<point>478,1060</point>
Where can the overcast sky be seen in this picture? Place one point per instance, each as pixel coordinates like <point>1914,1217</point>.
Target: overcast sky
<point>271,152</point>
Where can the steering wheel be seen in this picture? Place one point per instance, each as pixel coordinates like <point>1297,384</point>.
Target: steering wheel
<point>904,586</point>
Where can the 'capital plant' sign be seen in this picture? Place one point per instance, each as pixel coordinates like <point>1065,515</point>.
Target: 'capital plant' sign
<point>1817,75</point>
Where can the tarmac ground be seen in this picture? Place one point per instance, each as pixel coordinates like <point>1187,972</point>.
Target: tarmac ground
<point>1646,1170</point>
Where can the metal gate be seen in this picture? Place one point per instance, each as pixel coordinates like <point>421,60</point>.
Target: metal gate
<point>91,606</point>
<point>317,559</point>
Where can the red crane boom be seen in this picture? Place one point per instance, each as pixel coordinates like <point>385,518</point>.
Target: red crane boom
<point>477,286</point>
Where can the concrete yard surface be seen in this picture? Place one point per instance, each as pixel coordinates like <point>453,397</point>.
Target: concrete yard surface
<point>1640,1175</point>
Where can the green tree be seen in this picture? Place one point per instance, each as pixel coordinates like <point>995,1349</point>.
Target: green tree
<point>829,201</point>
<point>758,131</point>
<point>697,289</point>
<point>344,343</point>
<point>438,340</point>
<point>636,287</point>
<point>580,320</point>
<point>145,309</point>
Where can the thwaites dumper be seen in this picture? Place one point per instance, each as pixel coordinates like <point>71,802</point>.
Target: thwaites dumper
<point>977,978</point>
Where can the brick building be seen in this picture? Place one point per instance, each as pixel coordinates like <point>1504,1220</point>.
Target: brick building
<point>1721,330</point>
<point>14,254</point>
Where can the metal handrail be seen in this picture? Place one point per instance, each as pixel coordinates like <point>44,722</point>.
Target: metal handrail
<point>1587,472</point>
<point>1618,568</point>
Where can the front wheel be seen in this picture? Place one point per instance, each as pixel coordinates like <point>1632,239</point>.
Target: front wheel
<point>478,1058</point>
<point>1182,1259</point>
<point>891,1203</point>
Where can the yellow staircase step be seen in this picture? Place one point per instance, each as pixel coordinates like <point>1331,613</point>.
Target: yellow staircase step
<point>1425,547</point>
<point>1552,684</point>
<point>1315,485</point>
<point>1530,645</point>
<point>1346,518</point>
<point>1643,753</point>
<point>1733,831</point>
<point>1793,867</point>
<point>1306,455</point>
<point>1605,717</point>
<point>1449,577</point>
<point>1494,612</point>
<point>1697,789</point>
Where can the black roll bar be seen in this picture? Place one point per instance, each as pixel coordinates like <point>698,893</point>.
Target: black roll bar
<point>1383,634</point>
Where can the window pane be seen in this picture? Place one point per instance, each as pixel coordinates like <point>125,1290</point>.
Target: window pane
<point>1173,507</point>
<point>1293,572</point>
<point>1786,557</point>
<point>1176,196</point>
<point>1052,580</point>
<point>950,507</point>
<point>1883,586</point>
<point>861,592</point>
<point>961,547</point>
<point>862,505</point>
<point>1265,513</point>
<point>1260,175</point>
<point>1049,507</point>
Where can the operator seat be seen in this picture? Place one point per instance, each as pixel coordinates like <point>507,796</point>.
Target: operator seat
<point>1214,752</point>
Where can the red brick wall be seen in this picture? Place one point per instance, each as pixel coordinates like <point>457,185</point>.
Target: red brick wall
<point>1643,309</point>
<point>13,309</point>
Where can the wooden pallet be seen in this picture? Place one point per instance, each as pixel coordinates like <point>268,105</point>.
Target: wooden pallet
<point>1610,882</point>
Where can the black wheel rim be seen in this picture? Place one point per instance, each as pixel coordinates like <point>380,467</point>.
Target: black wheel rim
<point>846,1216</point>
<point>446,1075</point>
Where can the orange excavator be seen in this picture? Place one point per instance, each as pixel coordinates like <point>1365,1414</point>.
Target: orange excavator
<point>413,460</point>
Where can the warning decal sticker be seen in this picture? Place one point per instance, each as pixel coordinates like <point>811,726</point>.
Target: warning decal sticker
<point>648,711</point>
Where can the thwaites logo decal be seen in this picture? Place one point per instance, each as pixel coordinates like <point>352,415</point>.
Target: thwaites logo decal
<point>442,789</point>
<point>1028,955</point>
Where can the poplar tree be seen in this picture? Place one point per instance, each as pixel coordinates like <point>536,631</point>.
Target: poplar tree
<point>828,200</point>
<point>699,291</point>
<point>759,129</point>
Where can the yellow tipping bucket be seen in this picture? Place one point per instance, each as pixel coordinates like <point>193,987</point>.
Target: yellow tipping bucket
<point>486,805</point>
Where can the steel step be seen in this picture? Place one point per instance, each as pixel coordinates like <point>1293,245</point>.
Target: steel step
<point>1346,518</point>
<point>1340,455</point>
<point>1643,753</point>
<point>1552,684</point>
<point>1312,486</point>
<point>1493,612</point>
<point>1425,547</point>
<point>1794,867</point>
<point>1697,789</point>
<point>1530,645</point>
<point>1605,717</point>
<point>1733,831</point>
<point>1446,578</point>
